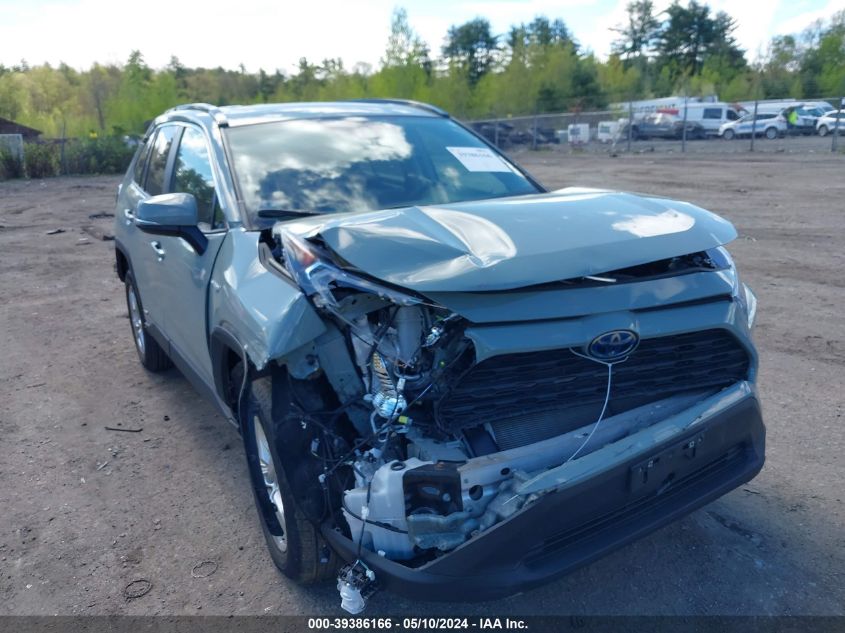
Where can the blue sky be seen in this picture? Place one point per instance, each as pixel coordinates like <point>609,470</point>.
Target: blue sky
<point>276,33</point>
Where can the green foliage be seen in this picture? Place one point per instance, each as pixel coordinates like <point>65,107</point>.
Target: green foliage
<point>10,165</point>
<point>471,47</point>
<point>108,155</point>
<point>41,160</point>
<point>690,37</point>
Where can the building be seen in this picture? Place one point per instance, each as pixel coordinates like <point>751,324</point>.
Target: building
<point>10,127</point>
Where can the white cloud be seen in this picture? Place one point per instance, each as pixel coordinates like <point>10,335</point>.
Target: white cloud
<point>798,23</point>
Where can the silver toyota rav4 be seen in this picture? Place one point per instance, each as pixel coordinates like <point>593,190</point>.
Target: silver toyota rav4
<point>449,380</point>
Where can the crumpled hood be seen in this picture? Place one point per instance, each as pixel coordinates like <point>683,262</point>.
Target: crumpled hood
<point>509,243</point>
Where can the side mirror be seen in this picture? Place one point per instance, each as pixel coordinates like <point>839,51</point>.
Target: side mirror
<point>172,214</point>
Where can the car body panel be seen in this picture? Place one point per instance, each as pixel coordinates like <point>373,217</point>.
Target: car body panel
<point>516,242</point>
<point>566,302</point>
<point>144,261</point>
<point>266,313</point>
<point>184,286</point>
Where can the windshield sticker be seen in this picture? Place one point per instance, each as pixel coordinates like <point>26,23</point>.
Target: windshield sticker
<point>478,159</point>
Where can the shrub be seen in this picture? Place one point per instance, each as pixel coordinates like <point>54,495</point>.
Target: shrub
<point>107,155</point>
<point>10,165</point>
<point>41,160</point>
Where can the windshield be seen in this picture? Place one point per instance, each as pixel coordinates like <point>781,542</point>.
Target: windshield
<point>334,165</point>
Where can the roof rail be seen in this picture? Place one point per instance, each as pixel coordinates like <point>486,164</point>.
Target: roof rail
<point>213,110</point>
<point>406,102</point>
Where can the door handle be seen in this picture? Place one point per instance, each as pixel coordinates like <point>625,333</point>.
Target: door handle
<point>129,216</point>
<point>158,249</point>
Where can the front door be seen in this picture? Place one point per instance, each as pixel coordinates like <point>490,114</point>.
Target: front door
<point>184,272</point>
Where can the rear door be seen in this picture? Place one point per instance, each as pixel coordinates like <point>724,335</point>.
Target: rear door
<point>148,180</point>
<point>184,272</point>
<point>746,124</point>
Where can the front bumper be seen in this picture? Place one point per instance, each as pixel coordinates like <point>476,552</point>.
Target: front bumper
<point>654,483</point>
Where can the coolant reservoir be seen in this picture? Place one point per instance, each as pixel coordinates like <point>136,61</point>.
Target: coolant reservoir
<point>387,506</point>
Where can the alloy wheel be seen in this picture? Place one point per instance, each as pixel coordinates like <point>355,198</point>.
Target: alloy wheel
<point>137,320</point>
<point>271,481</point>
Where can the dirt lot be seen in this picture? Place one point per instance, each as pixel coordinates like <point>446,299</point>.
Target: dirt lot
<point>84,510</point>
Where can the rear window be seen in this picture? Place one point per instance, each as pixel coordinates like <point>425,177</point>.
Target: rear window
<point>141,161</point>
<point>158,160</point>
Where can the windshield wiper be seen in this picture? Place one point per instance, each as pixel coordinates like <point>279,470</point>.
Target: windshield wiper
<point>279,214</point>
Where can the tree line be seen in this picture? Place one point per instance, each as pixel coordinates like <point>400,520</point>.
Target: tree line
<point>537,66</point>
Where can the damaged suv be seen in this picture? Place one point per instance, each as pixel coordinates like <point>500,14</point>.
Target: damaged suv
<point>449,381</point>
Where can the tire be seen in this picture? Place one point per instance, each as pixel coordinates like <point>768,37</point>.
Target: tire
<point>729,135</point>
<point>152,357</point>
<point>771,133</point>
<point>823,130</point>
<point>294,542</point>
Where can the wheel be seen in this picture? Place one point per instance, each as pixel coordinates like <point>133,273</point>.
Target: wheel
<point>823,130</point>
<point>771,133</point>
<point>295,543</point>
<point>729,135</point>
<point>152,357</point>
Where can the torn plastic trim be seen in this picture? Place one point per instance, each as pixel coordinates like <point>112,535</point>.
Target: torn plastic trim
<point>626,436</point>
<point>590,465</point>
<point>487,469</point>
<point>496,487</point>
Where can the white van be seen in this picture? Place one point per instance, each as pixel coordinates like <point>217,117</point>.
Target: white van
<point>711,116</point>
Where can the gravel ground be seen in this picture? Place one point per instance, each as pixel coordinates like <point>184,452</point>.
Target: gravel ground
<point>84,511</point>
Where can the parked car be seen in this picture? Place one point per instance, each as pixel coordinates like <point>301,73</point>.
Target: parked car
<point>662,125</point>
<point>544,136</point>
<point>769,124</point>
<point>496,132</point>
<point>449,380</point>
<point>827,124</point>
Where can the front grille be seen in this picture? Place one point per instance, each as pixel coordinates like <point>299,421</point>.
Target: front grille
<point>532,396</point>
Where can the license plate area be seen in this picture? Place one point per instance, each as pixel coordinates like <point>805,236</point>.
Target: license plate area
<point>657,472</point>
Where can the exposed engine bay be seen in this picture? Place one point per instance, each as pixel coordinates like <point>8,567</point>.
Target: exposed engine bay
<point>443,447</point>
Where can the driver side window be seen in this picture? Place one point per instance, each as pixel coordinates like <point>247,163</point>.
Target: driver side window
<point>192,174</point>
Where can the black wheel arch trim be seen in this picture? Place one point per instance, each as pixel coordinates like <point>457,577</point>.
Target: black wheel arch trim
<point>120,251</point>
<point>222,342</point>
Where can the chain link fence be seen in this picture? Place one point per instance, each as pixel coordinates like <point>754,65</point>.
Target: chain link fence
<point>689,126</point>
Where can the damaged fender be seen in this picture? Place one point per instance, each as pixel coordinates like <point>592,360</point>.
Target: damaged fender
<point>264,311</point>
